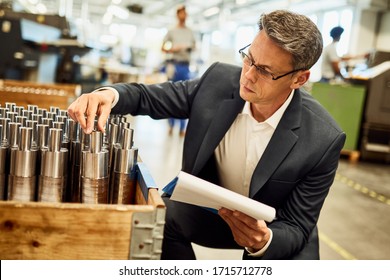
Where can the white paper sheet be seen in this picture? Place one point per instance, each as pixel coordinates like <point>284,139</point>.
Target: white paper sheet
<point>193,190</point>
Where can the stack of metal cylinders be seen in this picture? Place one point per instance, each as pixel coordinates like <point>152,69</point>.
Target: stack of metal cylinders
<point>45,156</point>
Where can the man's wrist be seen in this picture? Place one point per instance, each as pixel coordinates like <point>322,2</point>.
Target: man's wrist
<point>116,94</point>
<point>258,253</point>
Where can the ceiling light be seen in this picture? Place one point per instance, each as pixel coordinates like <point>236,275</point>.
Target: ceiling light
<point>211,11</point>
<point>118,12</point>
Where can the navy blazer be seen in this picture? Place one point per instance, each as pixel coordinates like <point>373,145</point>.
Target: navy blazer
<point>296,170</point>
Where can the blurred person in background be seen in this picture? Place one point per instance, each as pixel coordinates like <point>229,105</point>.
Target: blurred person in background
<point>178,44</point>
<point>330,66</point>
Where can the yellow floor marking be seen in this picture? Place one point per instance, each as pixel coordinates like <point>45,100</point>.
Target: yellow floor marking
<point>362,189</point>
<point>336,247</point>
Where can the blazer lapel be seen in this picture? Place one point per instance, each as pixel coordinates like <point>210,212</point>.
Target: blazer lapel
<point>219,125</point>
<point>281,143</point>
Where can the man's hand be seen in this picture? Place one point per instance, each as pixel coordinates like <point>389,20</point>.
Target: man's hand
<point>84,109</point>
<point>247,231</point>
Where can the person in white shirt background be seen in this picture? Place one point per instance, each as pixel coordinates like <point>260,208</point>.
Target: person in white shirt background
<point>330,67</point>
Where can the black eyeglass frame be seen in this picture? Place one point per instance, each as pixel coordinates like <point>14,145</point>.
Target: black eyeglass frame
<point>259,68</point>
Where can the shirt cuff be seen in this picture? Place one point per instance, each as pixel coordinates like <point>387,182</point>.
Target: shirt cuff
<point>261,252</point>
<point>116,98</point>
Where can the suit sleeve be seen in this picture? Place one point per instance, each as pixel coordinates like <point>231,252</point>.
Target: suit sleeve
<point>299,215</point>
<point>158,101</point>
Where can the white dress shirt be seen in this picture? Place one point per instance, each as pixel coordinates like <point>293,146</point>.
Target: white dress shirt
<point>241,149</point>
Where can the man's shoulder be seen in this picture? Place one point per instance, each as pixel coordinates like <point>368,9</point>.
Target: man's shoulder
<point>221,67</point>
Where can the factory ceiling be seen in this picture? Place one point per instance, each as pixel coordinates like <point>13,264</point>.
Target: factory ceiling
<point>203,15</point>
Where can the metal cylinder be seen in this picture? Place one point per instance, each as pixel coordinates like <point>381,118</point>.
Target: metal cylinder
<point>113,139</point>
<point>60,125</point>
<point>25,139</point>
<point>51,115</point>
<point>14,135</point>
<point>55,139</point>
<point>124,182</point>
<point>5,123</point>
<point>41,145</point>
<point>42,112</point>
<point>55,110</point>
<point>42,135</point>
<point>73,130</point>
<point>73,182</point>
<point>123,124</point>
<point>94,171</point>
<point>48,121</point>
<point>124,186</point>
<point>3,112</point>
<point>22,179</point>
<point>12,116</point>
<point>63,113</point>
<point>33,125</point>
<point>3,168</point>
<point>27,114</point>
<point>85,141</point>
<point>37,117</point>
<point>53,175</point>
<point>75,169</point>
<point>19,110</point>
<point>32,108</point>
<point>65,129</point>
<point>22,120</point>
<point>10,106</point>
<point>95,191</point>
<point>4,159</point>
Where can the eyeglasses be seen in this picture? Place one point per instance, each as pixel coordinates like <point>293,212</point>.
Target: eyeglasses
<point>260,70</point>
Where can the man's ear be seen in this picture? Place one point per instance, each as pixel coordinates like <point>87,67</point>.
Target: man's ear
<point>300,79</point>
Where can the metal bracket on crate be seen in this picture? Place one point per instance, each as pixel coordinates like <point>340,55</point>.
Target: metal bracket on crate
<point>147,227</point>
<point>147,235</point>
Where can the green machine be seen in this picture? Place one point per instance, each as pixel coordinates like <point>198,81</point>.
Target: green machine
<point>345,103</point>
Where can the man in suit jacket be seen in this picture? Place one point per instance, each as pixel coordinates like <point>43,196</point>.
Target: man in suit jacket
<point>252,130</point>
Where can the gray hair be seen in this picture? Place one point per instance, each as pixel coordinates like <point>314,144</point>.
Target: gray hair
<point>296,34</point>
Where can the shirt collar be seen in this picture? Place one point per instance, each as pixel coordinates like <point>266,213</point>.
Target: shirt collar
<point>274,120</point>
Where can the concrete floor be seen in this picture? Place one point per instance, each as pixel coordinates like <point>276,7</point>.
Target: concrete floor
<point>354,222</point>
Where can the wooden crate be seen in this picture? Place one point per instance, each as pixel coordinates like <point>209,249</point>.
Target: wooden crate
<point>44,231</point>
<point>44,96</point>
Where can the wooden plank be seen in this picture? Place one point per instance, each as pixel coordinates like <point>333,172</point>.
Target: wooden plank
<point>139,196</point>
<point>71,90</point>
<point>41,100</point>
<point>25,93</point>
<point>66,231</point>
